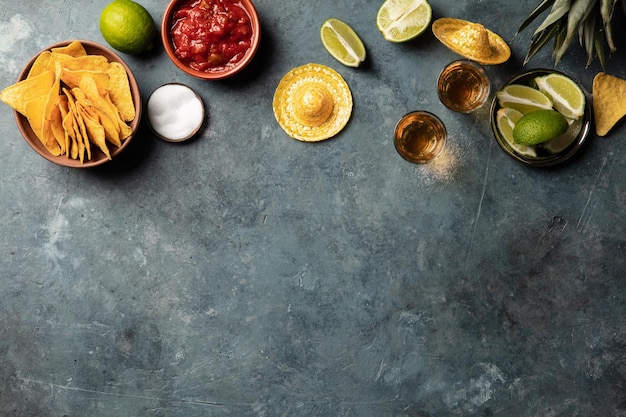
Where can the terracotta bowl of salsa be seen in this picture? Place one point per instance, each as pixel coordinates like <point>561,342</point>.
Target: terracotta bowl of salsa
<point>211,39</point>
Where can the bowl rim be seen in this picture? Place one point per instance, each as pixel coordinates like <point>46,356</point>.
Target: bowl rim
<point>558,158</point>
<point>248,5</point>
<point>28,134</point>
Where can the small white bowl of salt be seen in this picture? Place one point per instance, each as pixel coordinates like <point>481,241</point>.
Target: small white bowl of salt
<point>175,112</point>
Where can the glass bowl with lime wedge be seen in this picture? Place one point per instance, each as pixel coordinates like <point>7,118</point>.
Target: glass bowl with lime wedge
<point>541,117</point>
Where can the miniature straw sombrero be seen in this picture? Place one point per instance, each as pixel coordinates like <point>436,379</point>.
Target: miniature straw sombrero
<point>471,40</point>
<point>312,103</point>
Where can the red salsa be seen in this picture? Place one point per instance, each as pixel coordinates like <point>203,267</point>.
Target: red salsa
<point>211,35</point>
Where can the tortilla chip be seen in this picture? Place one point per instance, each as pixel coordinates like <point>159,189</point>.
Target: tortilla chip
<point>74,49</point>
<point>119,91</point>
<point>56,124</point>
<point>70,140</point>
<point>49,139</point>
<point>64,110</point>
<point>72,78</point>
<point>83,129</point>
<point>52,99</point>
<point>20,93</point>
<point>96,131</point>
<point>87,62</point>
<point>609,102</point>
<point>40,64</point>
<point>82,139</point>
<point>106,109</point>
<point>124,129</point>
<point>35,110</point>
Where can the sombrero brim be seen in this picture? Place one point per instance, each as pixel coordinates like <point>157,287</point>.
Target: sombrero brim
<point>445,28</point>
<point>285,102</point>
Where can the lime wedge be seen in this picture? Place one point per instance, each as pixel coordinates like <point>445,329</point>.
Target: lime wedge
<point>567,97</point>
<point>506,118</point>
<point>523,98</point>
<point>342,42</point>
<point>560,143</point>
<point>402,20</point>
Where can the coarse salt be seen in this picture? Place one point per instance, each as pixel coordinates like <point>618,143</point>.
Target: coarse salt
<point>175,112</point>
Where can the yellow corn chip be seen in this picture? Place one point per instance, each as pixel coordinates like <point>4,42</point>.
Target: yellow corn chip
<point>81,120</point>
<point>20,93</point>
<point>52,99</point>
<point>124,129</point>
<point>40,64</point>
<point>68,127</point>
<point>72,78</point>
<point>74,49</point>
<point>35,111</point>
<point>79,129</point>
<point>87,62</point>
<point>64,109</point>
<point>106,110</point>
<point>609,102</point>
<point>96,131</point>
<point>119,91</point>
<point>56,124</point>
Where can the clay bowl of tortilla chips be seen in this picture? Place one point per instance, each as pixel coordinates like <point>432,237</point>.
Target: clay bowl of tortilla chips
<point>91,107</point>
<point>549,153</point>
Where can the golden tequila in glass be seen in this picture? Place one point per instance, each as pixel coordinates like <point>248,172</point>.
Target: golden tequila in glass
<point>420,136</point>
<point>463,86</point>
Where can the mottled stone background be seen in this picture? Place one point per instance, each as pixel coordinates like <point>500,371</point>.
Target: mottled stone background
<point>248,274</point>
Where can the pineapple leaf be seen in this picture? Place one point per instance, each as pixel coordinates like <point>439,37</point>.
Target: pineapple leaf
<point>589,35</point>
<point>559,9</point>
<point>591,20</point>
<point>559,39</point>
<point>541,7</point>
<point>575,18</point>
<point>539,40</point>
<point>600,52</point>
<point>606,11</point>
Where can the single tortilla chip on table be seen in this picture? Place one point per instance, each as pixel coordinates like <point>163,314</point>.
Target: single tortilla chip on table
<point>609,102</point>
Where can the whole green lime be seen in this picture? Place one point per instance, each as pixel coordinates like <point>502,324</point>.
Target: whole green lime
<point>539,126</point>
<point>127,26</point>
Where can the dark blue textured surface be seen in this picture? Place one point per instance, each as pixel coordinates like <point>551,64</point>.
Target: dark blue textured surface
<point>247,274</point>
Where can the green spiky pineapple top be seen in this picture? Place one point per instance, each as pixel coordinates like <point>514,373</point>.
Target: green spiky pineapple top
<point>590,20</point>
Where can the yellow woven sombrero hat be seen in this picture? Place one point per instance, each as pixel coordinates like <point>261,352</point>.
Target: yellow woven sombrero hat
<point>312,103</point>
<point>471,40</point>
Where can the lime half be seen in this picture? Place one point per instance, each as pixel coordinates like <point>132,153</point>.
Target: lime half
<point>342,42</point>
<point>402,20</point>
